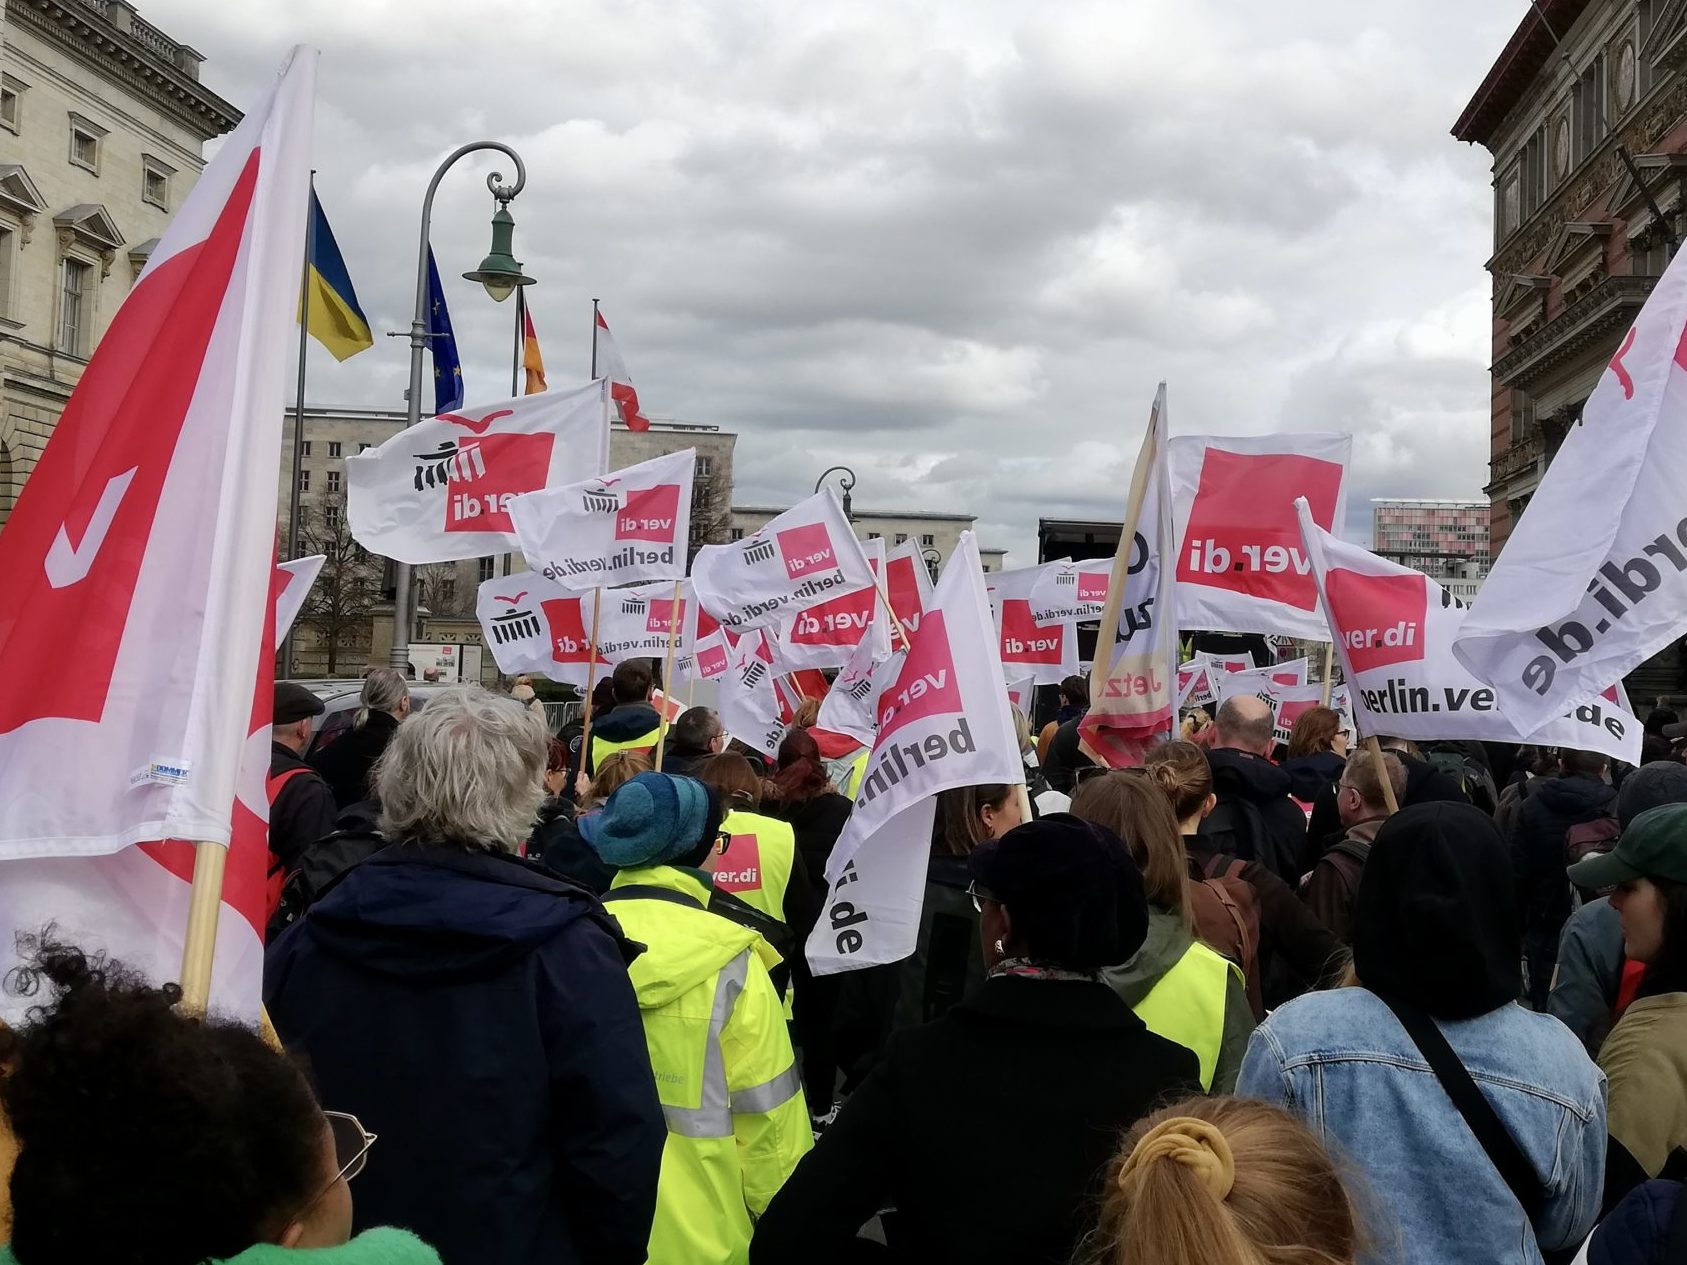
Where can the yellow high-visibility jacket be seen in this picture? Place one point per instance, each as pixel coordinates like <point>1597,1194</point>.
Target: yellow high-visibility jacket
<point>737,1120</point>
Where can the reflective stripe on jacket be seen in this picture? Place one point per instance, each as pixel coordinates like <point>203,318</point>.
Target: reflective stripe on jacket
<point>756,866</point>
<point>737,1119</point>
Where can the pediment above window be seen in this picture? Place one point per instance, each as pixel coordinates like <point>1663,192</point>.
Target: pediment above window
<point>19,196</point>
<point>89,225</point>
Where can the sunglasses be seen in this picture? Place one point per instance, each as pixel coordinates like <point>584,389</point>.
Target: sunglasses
<point>351,1152</point>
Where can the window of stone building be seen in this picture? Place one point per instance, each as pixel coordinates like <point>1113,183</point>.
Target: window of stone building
<point>928,539</point>
<point>1587,109</point>
<point>331,517</point>
<point>1648,255</point>
<point>304,480</point>
<point>364,447</point>
<point>737,533</point>
<point>75,305</point>
<point>705,466</point>
<point>1646,72</point>
<point>8,249</point>
<point>304,449</point>
<point>333,448</point>
<point>1532,173</point>
<point>901,537</point>
<point>1522,417</point>
<point>1507,214</point>
<point>488,569</point>
<point>155,182</point>
<point>333,480</point>
<point>11,103</point>
<point>85,138</point>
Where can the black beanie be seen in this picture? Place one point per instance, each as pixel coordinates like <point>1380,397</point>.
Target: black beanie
<point>1651,785</point>
<point>1435,921</point>
<point>1072,889</point>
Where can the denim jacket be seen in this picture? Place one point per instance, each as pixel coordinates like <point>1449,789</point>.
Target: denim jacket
<point>1430,1195</point>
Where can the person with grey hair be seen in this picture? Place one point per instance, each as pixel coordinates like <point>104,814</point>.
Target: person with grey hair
<point>347,762</point>
<point>476,1011</point>
<point>1254,818</point>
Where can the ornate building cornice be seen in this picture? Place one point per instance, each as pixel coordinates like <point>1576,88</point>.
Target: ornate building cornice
<point>1595,317</point>
<point>141,58</point>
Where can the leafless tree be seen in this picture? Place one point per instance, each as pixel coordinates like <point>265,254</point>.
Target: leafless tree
<point>440,588</point>
<point>711,512</point>
<point>342,602</point>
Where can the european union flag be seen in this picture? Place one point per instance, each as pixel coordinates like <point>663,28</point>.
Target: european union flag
<point>332,314</point>
<point>447,368</point>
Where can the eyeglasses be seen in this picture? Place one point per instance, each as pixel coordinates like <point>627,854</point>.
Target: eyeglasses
<point>1088,771</point>
<point>979,896</point>
<point>351,1152</point>
<point>723,841</point>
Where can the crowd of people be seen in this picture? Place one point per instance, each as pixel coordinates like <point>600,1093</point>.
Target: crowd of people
<point>1249,1003</point>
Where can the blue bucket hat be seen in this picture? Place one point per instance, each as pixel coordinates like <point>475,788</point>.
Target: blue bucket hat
<point>648,820</point>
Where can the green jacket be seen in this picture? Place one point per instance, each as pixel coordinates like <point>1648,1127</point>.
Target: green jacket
<point>1188,993</point>
<point>382,1246</point>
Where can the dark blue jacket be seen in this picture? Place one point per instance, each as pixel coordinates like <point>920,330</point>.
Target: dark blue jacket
<point>475,1012</point>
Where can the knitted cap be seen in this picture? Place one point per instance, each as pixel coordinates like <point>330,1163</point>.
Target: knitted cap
<point>649,819</point>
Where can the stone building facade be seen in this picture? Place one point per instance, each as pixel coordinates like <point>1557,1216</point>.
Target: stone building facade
<point>102,126</point>
<point>1585,114</point>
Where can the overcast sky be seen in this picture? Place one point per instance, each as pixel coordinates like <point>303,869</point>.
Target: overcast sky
<point>954,244</point>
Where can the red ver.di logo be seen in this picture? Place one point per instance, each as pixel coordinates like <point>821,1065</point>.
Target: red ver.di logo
<point>926,685</point>
<point>738,869</point>
<point>567,623</point>
<point>665,615</point>
<point>649,514</point>
<point>1092,586</point>
<point>1381,617</point>
<point>1243,535</point>
<point>807,550</point>
<point>491,471</point>
<point>1024,640</point>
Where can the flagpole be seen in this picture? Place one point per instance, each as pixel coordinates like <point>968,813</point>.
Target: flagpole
<point>1389,802</point>
<point>1329,669</point>
<point>879,588</point>
<point>668,673</point>
<point>591,679</point>
<point>520,338</point>
<point>299,410</point>
<point>205,900</point>
<point>594,338</point>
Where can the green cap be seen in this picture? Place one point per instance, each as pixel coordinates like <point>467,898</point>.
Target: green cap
<point>1653,846</point>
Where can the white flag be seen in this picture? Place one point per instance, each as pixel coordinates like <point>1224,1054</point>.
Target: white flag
<point>634,622</point>
<point>442,489</point>
<point>535,625</point>
<point>749,709</point>
<point>851,705</point>
<point>1395,628</point>
<point>1593,580</point>
<point>301,573</point>
<point>628,526</point>
<point>1022,693</point>
<point>1067,591</point>
<point>907,585</point>
<point>826,634</point>
<point>140,556</point>
<point>807,553</point>
<point>1240,565</point>
<point>1048,653</point>
<point>608,363</point>
<point>943,722</point>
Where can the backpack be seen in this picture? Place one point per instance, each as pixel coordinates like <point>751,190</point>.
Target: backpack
<point>320,867</point>
<point>1236,828</point>
<point>1226,913</point>
<point>1347,857</point>
<point>1471,775</point>
<point>1586,838</point>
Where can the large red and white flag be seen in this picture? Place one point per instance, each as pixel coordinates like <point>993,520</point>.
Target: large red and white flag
<point>808,553</point>
<point>606,357</point>
<point>1395,630</point>
<point>1072,592</point>
<point>907,586</point>
<point>826,634</point>
<point>1593,579</point>
<point>943,721</point>
<point>625,527</point>
<point>1046,652</point>
<point>851,705</point>
<point>297,578</point>
<point>535,625</point>
<point>1133,687</point>
<point>441,490</point>
<point>1240,564</point>
<point>748,706</point>
<point>636,621</point>
<point>142,553</point>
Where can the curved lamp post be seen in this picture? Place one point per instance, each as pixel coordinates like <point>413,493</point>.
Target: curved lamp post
<point>500,273</point>
<point>933,560</point>
<point>846,484</point>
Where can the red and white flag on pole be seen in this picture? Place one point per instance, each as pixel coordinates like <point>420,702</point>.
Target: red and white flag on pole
<point>1048,653</point>
<point>1240,564</point>
<point>826,634</point>
<point>1069,592</point>
<point>805,554</point>
<point>535,625</point>
<point>749,707</point>
<point>142,553</point>
<point>1593,579</point>
<point>908,586</point>
<point>943,721</point>
<point>851,705</point>
<point>607,357</point>
<point>441,490</point>
<point>624,527</point>
<point>297,578</point>
<point>1396,630</point>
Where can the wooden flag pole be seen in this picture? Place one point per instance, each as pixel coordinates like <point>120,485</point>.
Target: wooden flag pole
<point>1375,748</point>
<point>1024,797</point>
<point>879,588</point>
<point>1329,669</point>
<point>210,861</point>
<point>591,676</point>
<point>668,672</point>
<point>691,682</point>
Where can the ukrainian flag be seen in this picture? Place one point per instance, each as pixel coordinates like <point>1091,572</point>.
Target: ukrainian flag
<point>334,318</point>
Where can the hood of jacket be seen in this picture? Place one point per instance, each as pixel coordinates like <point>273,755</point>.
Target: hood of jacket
<point>384,1245</point>
<point>626,721</point>
<point>1249,776</point>
<point>1309,774</point>
<point>684,946</point>
<point>1575,796</point>
<point>1168,940</point>
<point>438,914</point>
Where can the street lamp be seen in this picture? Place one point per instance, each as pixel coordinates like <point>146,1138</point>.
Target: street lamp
<point>846,484</point>
<point>933,560</point>
<point>500,273</point>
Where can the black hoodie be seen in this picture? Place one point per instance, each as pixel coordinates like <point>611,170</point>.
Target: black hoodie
<point>1241,775</point>
<point>1537,846</point>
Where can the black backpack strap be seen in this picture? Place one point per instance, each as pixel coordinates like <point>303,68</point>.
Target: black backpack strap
<point>646,891</point>
<point>1478,1112</point>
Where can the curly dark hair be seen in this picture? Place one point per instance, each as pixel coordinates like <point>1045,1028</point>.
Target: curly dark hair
<point>147,1137</point>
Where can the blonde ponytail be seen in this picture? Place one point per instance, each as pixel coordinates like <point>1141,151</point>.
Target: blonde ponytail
<point>1223,1181</point>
